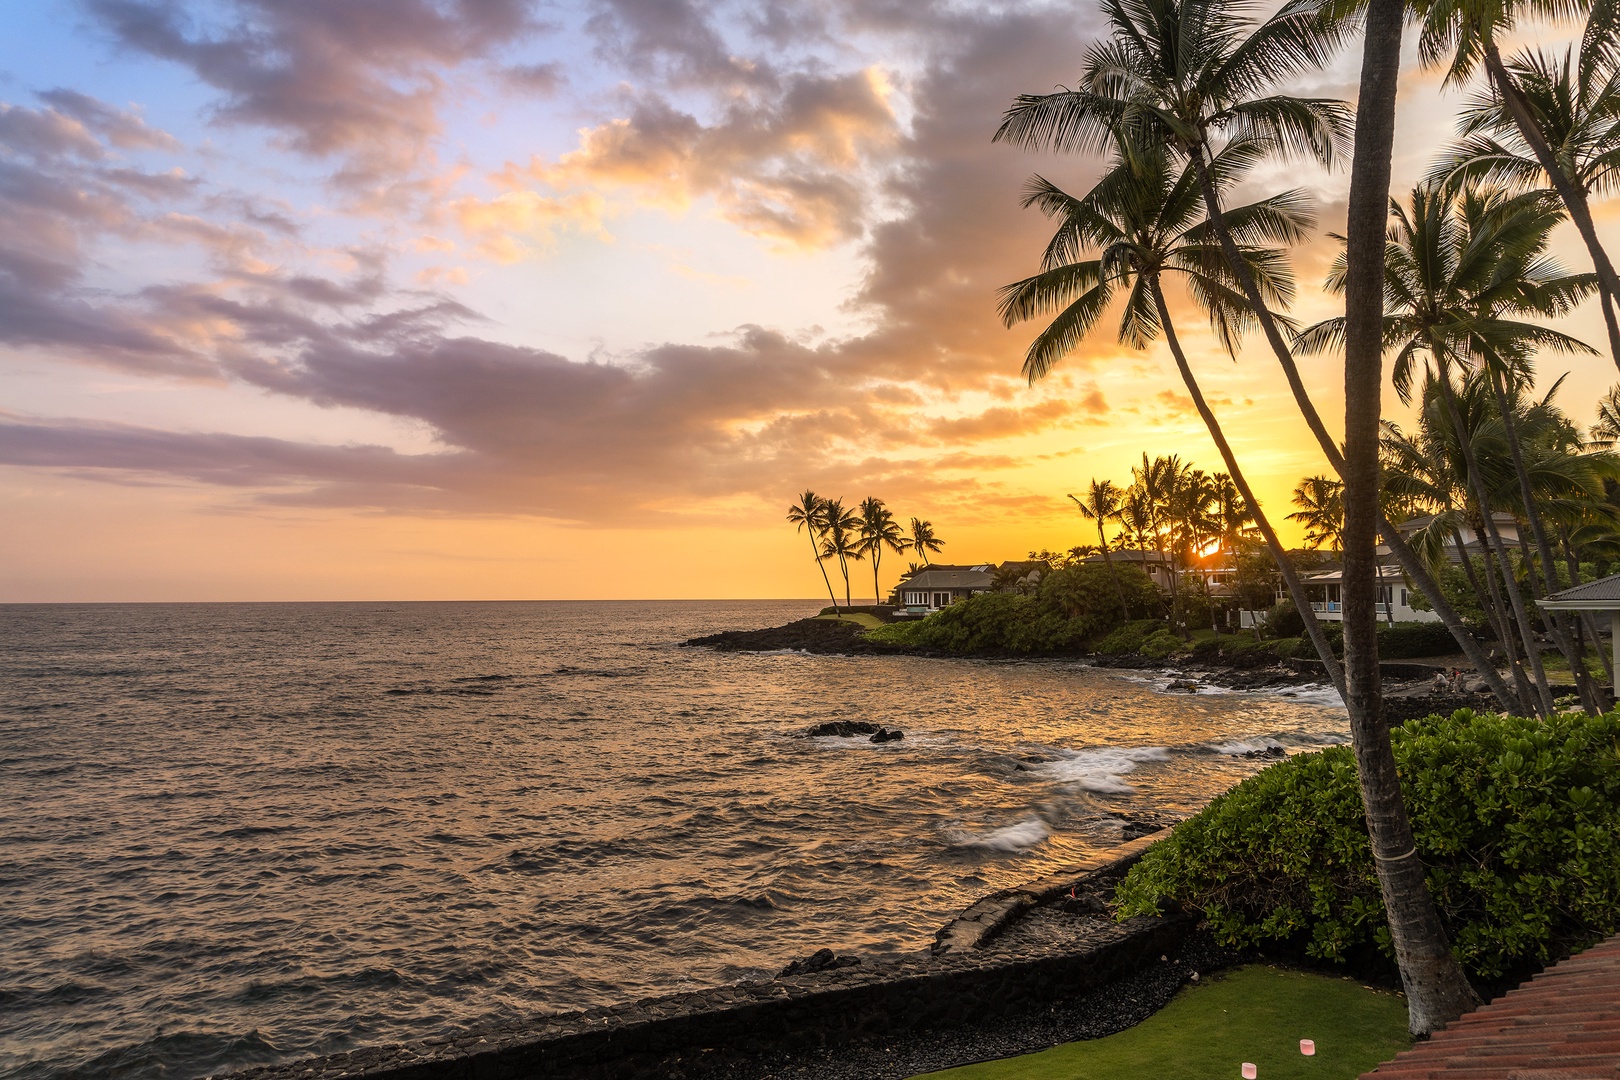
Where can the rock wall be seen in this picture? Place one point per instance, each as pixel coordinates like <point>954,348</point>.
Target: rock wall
<point>665,1036</point>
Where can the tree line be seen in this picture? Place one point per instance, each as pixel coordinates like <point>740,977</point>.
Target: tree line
<point>846,535</point>
<point>1183,99</point>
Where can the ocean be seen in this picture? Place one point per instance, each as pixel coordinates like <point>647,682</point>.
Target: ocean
<point>235,834</point>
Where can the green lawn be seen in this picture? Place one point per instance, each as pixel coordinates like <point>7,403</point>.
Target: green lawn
<point>859,618</point>
<point>1207,1031</point>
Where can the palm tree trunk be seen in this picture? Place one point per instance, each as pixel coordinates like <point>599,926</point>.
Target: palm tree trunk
<point>822,566</point>
<point>1411,565</point>
<point>1555,620</point>
<point>1437,991</point>
<point>1587,618</point>
<point>1296,588</point>
<point>877,559</point>
<point>1496,609</point>
<point>1108,561</point>
<point>1572,194</point>
<point>1476,480</point>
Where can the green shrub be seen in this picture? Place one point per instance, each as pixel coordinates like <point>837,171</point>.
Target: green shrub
<point>1159,645</point>
<point>1517,820</point>
<point>1067,608</point>
<point>1284,620</point>
<point>1401,640</point>
<point>1207,649</point>
<point>1128,638</point>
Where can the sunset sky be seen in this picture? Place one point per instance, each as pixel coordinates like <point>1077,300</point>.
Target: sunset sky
<point>400,299</point>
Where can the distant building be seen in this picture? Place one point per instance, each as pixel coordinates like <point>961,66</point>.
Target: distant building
<point>1326,592</point>
<point>939,586</point>
<point>1474,543</point>
<point>1151,563</point>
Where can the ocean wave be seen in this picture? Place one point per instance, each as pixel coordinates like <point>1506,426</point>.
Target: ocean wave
<point>1245,746</point>
<point>1101,770</point>
<point>1017,837</point>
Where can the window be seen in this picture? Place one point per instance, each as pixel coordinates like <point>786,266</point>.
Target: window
<point>1404,602</point>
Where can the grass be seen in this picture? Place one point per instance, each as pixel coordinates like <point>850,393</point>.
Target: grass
<point>859,618</point>
<point>1209,1030</point>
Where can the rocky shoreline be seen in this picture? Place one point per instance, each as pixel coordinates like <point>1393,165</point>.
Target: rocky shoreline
<point>1407,692</point>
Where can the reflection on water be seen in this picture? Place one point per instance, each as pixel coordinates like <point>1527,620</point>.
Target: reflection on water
<point>232,834</point>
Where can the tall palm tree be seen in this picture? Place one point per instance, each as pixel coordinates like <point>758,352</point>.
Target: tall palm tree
<point>923,539</point>
<point>1321,510</point>
<point>1145,219</point>
<point>1102,504</point>
<point>879,530</point>
<point>1575,107</point>
<point>1462,268</point>
<point>1196,77</point>
<point>1437,991</point>
<point>840,539</point>
<point>1527,102</point>
<point>809,514</point>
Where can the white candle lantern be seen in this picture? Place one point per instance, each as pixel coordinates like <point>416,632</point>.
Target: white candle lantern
<point>1307,1047</point>
<point>1249,1071</point>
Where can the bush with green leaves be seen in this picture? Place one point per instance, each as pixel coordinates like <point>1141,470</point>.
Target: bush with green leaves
<point>1159,645</point>
<point>1517,821</point>
<point>1127,639</point>
<point>1071,606</point>
<point>1398,641</point>
<point>1284,620</point>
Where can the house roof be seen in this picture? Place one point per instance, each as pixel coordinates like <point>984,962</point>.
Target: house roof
<point>1334,577</point>
<point>1130,555</point>
<point>1600,595</point>
<point>963,577</point>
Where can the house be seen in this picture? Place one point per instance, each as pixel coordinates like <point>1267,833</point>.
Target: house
<point>1326,592</point>
<point>1474,541</point>
<point>1155,565</point>
<point>935,587</point>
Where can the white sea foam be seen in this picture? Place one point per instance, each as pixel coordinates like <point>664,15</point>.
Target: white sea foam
<point>1243,746</point>
<point>1017,837</point>
<point>1101,770</point>
<point>1318,694</point>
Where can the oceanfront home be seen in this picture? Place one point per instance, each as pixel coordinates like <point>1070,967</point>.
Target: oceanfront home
<point>1155,565</point>
<point>1326,591</point>
<point>936,587</point>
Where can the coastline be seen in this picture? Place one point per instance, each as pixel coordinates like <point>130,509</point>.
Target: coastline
<point>1020,970</point>
<point>1406,692</point>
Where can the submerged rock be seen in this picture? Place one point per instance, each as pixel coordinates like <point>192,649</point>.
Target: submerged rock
<point>844,729</point>
<point>883,734</point>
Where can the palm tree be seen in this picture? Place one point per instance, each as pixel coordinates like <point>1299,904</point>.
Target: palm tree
<point>1175,72</point>
<point>1575,109</point>
<point>1437,991</point>
<point>878,530</point>
<point>1321,510</point>
<point>1185,74</point>
<point>1531,112</point>
<point>840,539</point>
<point>1102,504</point>
<point>1145,219</point>
<point>810,514</point>
<point>1461,267</point>
<point>923,539</point>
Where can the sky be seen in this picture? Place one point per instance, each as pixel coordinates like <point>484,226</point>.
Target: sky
<point>500,299</point>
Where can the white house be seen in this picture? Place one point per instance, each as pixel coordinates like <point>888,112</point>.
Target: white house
<point>940,586</point>
<point>1326,591</point>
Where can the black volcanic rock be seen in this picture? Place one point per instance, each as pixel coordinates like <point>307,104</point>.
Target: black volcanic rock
<point>884,734</point>
<point>844,729</point>
<point>806,635</point>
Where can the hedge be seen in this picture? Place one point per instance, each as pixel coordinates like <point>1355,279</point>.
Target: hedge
<point>1516,820</point>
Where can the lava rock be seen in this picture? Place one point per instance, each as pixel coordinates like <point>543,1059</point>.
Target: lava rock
<point>1266,752</point>
<point>883,734</point>
<point>820,960</point>
<point>1182,686</point>
<point>844,729</point>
